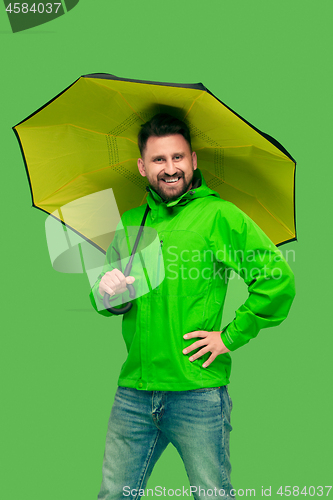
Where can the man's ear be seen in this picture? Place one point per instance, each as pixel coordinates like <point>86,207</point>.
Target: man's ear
<point>194,160</point>
<point>141,167</point>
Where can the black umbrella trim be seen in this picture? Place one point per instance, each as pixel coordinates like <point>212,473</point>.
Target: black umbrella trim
<point>21,147</point>
<point>25,165</point>
<point>269,138</point>
<point>74,230</point>
<point>44,105</point>
<point>106,76</point>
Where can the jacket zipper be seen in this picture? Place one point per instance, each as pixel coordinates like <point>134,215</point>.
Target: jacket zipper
<point>159,264</point>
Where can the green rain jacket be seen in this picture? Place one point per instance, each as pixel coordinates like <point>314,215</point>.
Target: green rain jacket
<point>202,237</point>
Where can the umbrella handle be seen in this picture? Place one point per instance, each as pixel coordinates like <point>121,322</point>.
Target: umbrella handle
<point>127,271</point>
<point>124,309</point>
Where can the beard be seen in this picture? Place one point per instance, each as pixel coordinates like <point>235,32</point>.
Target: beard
<point>169,192</point>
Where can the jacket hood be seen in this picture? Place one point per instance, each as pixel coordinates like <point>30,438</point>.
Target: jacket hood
<point>199,190</point>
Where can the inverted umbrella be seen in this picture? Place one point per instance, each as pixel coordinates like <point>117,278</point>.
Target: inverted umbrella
<point>85,140</point>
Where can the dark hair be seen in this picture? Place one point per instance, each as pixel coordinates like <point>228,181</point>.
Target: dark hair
<point>161,125</point>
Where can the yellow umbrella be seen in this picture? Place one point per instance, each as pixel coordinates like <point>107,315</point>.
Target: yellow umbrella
<point>85,141</point>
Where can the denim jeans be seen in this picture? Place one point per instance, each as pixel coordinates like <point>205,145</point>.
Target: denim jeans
<point>143,423</point>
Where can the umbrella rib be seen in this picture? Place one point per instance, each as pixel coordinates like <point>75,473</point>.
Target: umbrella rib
<point>118,92</point>
<point>245,146</point>
<point>103,133</point>
<point>263,206</point>
<point>225,147</point>
<point>203,92</point>
<point>72,124</point>
<point>93,131</point>
<point>84,173</point>
<point>128,104</point>
<point>278,221</point>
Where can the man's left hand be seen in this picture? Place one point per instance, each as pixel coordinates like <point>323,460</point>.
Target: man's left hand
<point>212,342</point>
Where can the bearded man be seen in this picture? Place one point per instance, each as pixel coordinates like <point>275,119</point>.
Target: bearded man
<point>164,395</point>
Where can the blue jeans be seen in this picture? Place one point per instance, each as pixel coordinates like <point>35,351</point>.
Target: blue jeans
<point>143,423</point>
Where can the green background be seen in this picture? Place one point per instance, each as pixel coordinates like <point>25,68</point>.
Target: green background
<point>270,62</point>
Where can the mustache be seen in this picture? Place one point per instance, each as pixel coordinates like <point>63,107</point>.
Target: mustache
<point>168,177</point>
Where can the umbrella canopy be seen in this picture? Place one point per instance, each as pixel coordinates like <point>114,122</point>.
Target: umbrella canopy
<point>85,140</point>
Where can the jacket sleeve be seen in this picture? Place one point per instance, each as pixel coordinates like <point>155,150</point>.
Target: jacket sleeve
<point>112,261</point>
<point>242,246</point>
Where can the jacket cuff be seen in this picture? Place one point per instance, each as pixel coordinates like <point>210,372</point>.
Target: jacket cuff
<point>233,339</point>
<point>227,340</point>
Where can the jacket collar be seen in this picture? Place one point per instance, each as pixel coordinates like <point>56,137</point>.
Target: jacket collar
<point>199,190</point>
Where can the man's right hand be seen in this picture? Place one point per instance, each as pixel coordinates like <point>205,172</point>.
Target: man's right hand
<point>114,282</point>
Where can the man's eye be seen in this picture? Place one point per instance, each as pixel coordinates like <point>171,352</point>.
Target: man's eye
<point>158,160</point>
<point>178,157</point>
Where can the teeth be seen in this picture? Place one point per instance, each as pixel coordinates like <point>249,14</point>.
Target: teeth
<point>175,180</point>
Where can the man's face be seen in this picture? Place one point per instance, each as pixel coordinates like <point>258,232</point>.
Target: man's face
<point>168,165</point>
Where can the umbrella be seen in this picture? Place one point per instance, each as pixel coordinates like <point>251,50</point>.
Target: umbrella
<point>84,141</point>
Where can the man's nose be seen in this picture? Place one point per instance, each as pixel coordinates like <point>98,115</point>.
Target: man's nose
<point>170,168</point>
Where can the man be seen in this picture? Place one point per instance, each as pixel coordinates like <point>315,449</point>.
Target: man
<point>164,395</point>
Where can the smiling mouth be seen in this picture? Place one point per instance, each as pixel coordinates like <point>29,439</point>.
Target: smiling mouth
<point>171,182</point>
